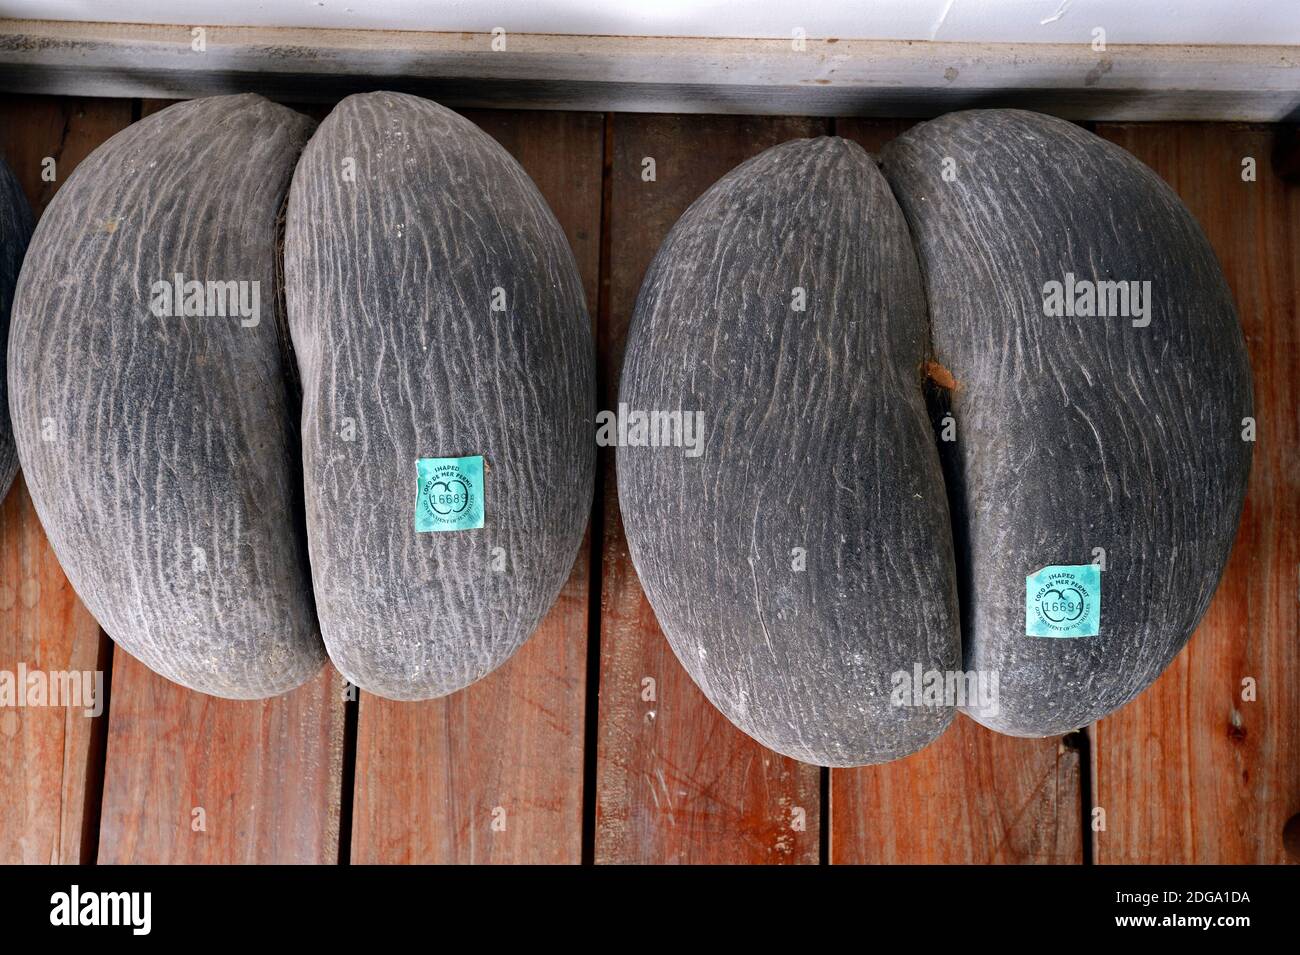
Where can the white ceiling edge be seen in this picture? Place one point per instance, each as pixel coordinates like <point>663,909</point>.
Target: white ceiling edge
<point>1215,22</point>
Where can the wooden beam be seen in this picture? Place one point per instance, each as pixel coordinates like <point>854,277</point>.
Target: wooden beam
<point>656,74</point>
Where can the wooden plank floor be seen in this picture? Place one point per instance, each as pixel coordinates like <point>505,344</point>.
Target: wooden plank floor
<point>592,744</point>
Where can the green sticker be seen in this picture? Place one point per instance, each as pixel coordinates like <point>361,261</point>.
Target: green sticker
<point>449,494</point>
<point>1063,602</point>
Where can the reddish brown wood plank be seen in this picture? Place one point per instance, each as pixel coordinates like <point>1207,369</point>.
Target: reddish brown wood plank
<point>49,757</point>
<point>65,129</point>
<point>973,796</point>
<point>676,782</point>
<point>494,773</point>
<point>191,778</point>
<point>1190,771</point>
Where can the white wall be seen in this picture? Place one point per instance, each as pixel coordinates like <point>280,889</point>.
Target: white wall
<point>1030,21</point>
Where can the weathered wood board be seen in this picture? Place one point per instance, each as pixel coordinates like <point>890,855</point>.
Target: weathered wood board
<point>824,76</point>
<point>191,778</point>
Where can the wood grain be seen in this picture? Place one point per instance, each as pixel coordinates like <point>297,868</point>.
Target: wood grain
<point>190,778</point>
<point>972,797</point>
<point>1190,772</point>
<point>267,774</point>
<point>433,777</point>
<point>675,781</point>
<point>49,758</point>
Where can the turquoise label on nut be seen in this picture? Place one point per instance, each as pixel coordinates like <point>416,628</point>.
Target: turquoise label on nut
<point>449,494</point>
<point>1063,602</point>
